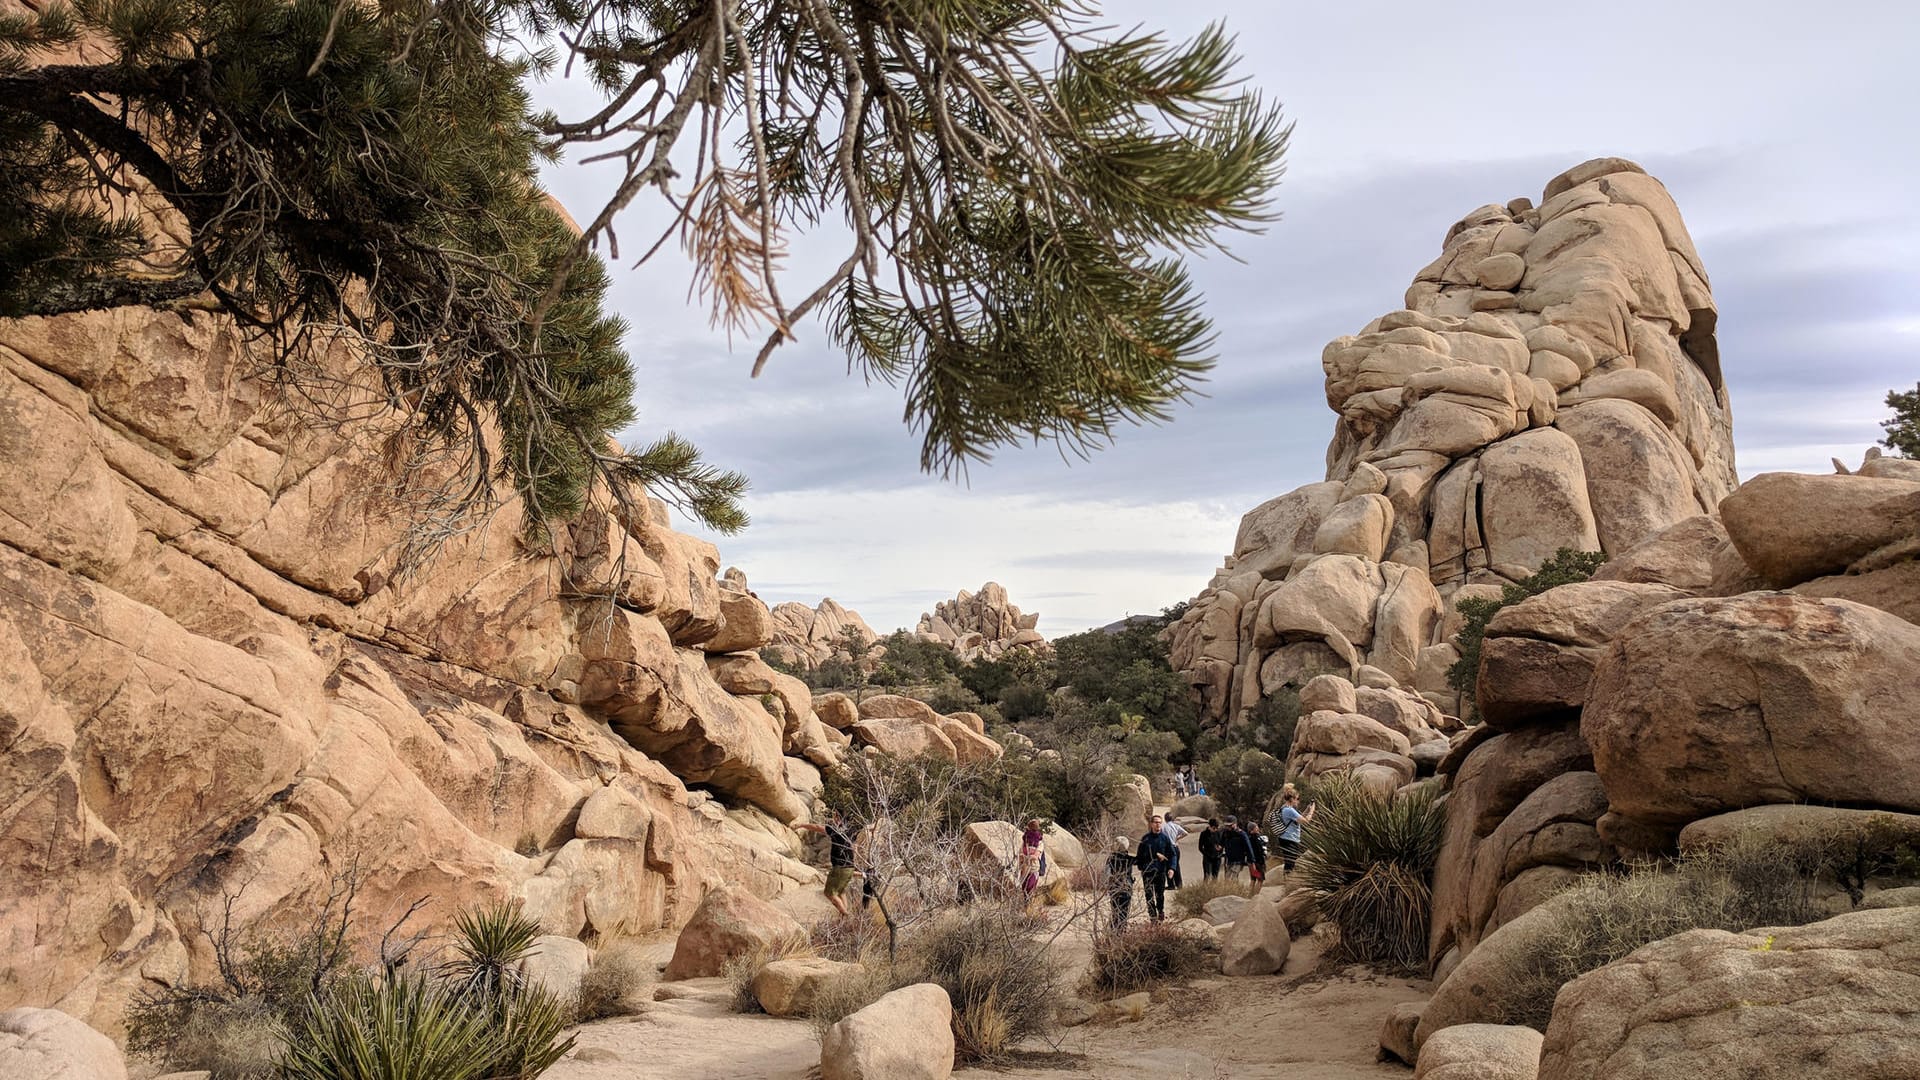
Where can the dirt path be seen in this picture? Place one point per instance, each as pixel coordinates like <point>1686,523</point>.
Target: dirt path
<point>1216,1029</point>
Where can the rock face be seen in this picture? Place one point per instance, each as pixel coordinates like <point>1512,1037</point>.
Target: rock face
<point>46,1044</point>
<point>217,670</point>
<point>1553,381</point>
<point>906,1035</point>
<point>1832,999</point>
<point>982,625</point>
<point>810,636</point>
<point>909,728</point>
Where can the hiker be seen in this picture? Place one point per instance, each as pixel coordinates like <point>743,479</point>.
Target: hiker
<point>1033,857</point>
<point>1210,849</point>
<point>1120,880</point>
<point>1155,856</point>
<point>840,871</point>
<point>1173,831</point>
<point>1288,827</point>
<point>1256,853</point>
<point>1234,849</point>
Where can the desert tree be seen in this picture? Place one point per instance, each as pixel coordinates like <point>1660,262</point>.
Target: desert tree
<point>1018,189</point>
<point>1903,428</point>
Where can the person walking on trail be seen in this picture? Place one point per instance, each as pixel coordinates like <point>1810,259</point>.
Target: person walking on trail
<point>1173,831</point>
<point>1234,849</point>
<point>840,871</point>
<point>1120,880</point>
<point>1256,853</point>
<point>1155,857</point>
<point>1033,857</point>
<point>1210,849</point>
<point>1288,823</point>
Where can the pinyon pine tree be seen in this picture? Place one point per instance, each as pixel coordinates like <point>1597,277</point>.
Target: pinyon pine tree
<point>1016,189</point>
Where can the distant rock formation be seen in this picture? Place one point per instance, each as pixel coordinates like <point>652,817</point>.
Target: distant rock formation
<point>1552,382</point>
<point>982,625</point>
<point>806,637</point>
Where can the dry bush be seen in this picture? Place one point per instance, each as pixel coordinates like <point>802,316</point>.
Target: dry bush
<point>614,982</point>
<point>1749,882</point>
<point>238,1040</point>
<point>741,970</point>
<point>1003,984</point>
<point>1369,865</point>
<point>1146,955</point>
<point>842,995</point>
<point>1190,901</point>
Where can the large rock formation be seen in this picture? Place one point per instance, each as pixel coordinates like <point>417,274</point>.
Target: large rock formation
<point>1553,381</point>
<point>218,677</point>
<point>982,625</point>
<point>807,637</point>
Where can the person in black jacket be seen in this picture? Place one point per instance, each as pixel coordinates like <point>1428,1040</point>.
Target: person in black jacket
<point>1155,858</point>
<point>1210,849</point>
<point>1256,853</point>
<point>1233,844</point>
<point>1120,880</point>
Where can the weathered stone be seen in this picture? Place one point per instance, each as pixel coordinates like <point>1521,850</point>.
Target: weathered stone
<point>1792,527</point>
<point>836,711</point>
<point>558,964</point>
<point>1534,499</point>
<point>730,922</point>
<point>903,738</point>
<point>1679,556</point>
<point>1258,942</point>
<point>906,1035</point>
<point>1329,693</point>
<point>1480,1052</point>
<point>1396,1032</point>
<point>46,1044</point>
<point>1830,999</point>
<point>788,987</point>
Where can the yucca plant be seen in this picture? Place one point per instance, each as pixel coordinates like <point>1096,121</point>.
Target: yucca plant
<point>1369,866</point>
<point>393,1029</point>
<point>488,943</point>
<point>529,1020</point>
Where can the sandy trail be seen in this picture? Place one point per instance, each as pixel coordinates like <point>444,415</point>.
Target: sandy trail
<point>1267,1028</point>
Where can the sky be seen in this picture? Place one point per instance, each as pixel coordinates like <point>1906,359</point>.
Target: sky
<point>1785,132</point>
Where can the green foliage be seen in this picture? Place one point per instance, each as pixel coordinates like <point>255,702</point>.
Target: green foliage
<point>1072,790</point>
<point>1146,955</point>
<point>1243,781</point>
<point>1369,865</point>
<point>1268,727</point>
<point>1903,428</point>
<point>950,697</point>
<point>1749,882</point>
<point>917,662</point>
<point>318,152</point>
<point>1565,567</point>
<point>488,944</point>
<point>1025,701</point>
<point>1130,673</point>
<point>382,1029</point>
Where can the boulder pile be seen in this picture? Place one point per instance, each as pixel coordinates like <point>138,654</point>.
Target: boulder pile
<point>982,625</point>
<point>806,637</point>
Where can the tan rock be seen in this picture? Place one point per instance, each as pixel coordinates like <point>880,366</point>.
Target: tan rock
<point>557,964</point>
<point>1788,824</point>
<point>1396,1032</point>
<point>836,711</point>
<point>745,624</point>
<point>1704,706</point>
<point>730,922</point>
<point>1359,526</point>
<point>1339,733</point>
<point>1640,480</point>
<point>906,1035</point>
<point>1257,943</point>
<point>1328,693</point>
<point>1791,527</point>
<point>1480,1052</point>
<point>1278,531</point>
<point>1534,499</point>
<point>903,738</point>
<point>46,1044</point>
<point>1679,556</point>
<point>1828,999</point>
<point>787,988</point>
<point>969,747</point>
<point>1895,589</point>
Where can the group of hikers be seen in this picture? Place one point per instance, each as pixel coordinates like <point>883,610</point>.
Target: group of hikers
<point>1226,849</point>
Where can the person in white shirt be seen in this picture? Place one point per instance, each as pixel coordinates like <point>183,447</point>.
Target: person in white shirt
<point>1173,831</point>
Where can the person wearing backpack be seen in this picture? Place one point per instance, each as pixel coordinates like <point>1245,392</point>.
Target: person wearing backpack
<point>1210,849</point>
<point>1233,844</point>
<point>1120,880</point>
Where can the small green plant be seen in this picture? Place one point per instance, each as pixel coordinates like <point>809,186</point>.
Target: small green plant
<point>1146,955</point>
<point>371,1029</point>
<point>488,944</point>
<point>1564,568</point>
<point>1369,864</point>
<point>1189,901</point>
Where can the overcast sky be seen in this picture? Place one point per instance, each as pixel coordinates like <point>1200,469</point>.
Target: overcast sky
<point>1785,131</point>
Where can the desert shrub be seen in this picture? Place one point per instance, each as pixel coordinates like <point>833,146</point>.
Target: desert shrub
<point>1002,983</point>
<point>1146,955</point>
<point>614,982</point>
<point>1369,864</point>
<point>1025,700</point>
<point>1565,567</point>
<point>950,697</point>
<point>842,995</point>
<point>740,971</point>
<point>1242,781</point>
<point>488,944</point>
<point>1188,901</point>
<point>1746,883</point>
<point>363,1028</point>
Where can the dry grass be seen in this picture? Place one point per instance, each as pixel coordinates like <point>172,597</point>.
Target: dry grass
<point>615,982</point>
<point>741,970</point>
<point>1190,901</point>
<point>845,994</point>
<point>1144,956</point>
<point>1002,983</point>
